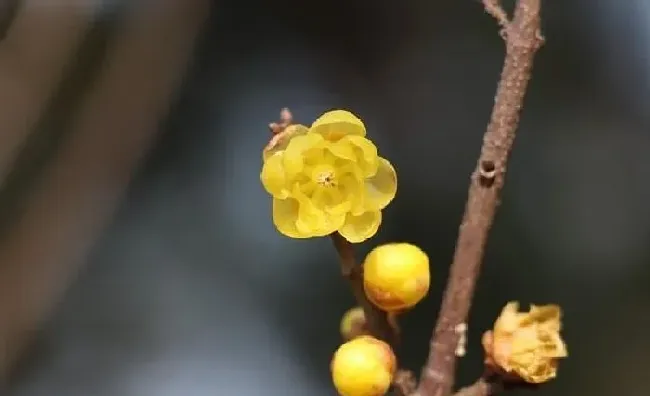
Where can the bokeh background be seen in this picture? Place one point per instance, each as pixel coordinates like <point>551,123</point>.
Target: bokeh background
<point>137,252</point>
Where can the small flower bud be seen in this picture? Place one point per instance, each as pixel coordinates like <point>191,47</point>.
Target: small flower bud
<point>353,324</point>
<point>396,276</point>
<point>364,366</point>
<point>526,345</point>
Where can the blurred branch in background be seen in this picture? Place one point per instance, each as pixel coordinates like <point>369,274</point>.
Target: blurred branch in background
<point>111,132</point>
<point>39,44</point>
<point>8,10</point>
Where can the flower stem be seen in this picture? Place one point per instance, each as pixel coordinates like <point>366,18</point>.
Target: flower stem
<point>377,319</point>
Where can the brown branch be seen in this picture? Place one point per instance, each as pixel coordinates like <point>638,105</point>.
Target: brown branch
<point>377,320</point>
<point>522,37</point>
<point>493,7</point>
<point>405,383</point>
<point>482,387</point>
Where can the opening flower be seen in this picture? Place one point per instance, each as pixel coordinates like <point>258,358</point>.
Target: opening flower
<point>526,345</point>
<point>364,366</point>
<point>328,178</point>
<point>396,276</point>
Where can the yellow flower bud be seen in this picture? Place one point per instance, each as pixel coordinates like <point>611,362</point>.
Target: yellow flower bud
<point>353,324</point>
<point>363,366</point>
<point>396,276</point>
<point>526,345</point>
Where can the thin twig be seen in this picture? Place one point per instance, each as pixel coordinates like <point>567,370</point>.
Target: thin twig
<point>482,387</point>
<point>493,7</point>
<point>378,322</point>
<point>377,319</point>
<point>405,383</point>
<point>522,37</point>
<point>279,129</point>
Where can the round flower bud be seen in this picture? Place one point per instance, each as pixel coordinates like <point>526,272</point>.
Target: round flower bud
<point>396,276</point>
<point>363,366</point>
<point>353,324</point>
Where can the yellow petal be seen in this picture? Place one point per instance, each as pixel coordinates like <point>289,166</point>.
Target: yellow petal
<point>340,209</point>
<point>279,142</point>
<point>560,350</point>
<point>294,154</point>
<point>508,320</point>
<point>285,214</point>
<point>343,149</point>
<point>365,154</point>
<point>359,228</point>
<point>335,124</point>
<point>548,315</point>
<point>273,177</point>
<point>351,186</point>
<point>382,187</point>
<point>331,200</point>
<point>313,220</point>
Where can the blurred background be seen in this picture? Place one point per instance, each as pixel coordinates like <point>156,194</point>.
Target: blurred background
<point>137,252</point>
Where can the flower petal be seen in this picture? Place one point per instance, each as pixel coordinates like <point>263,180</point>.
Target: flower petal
<point>342,149</point>
<point>382,187</point>
<point>335,124</point>
<point>331,200</point>
<point>509,319</point>
<point>365,153</point>
<point>352,188</point>
<point>280,141</point>
<point>545,314</point>
<point>273,177</point>
<point>359,228</point>
<point>293,158</point>
<point>312,220</point>
<point>285,214</point>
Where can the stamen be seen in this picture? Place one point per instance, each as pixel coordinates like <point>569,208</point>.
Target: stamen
<point>326,179</point>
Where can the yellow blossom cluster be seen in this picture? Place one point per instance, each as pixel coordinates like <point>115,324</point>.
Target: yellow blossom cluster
<point>329,178</point>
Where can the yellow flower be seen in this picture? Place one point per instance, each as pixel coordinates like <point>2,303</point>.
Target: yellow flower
<point>363,367</point>
<point>396,276</point>
<point>526,345</point>
<point>328,178</point>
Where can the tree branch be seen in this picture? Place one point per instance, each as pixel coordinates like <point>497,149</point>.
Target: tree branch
<point>522,37</point>
<point>493,7</point>
<point>378,322</point>
<point>377,319</point>
<point>482,387</point>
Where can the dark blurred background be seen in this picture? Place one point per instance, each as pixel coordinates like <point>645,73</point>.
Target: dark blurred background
<point>137,252</point>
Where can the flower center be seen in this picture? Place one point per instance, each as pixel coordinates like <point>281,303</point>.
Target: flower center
<point>324,176</point>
